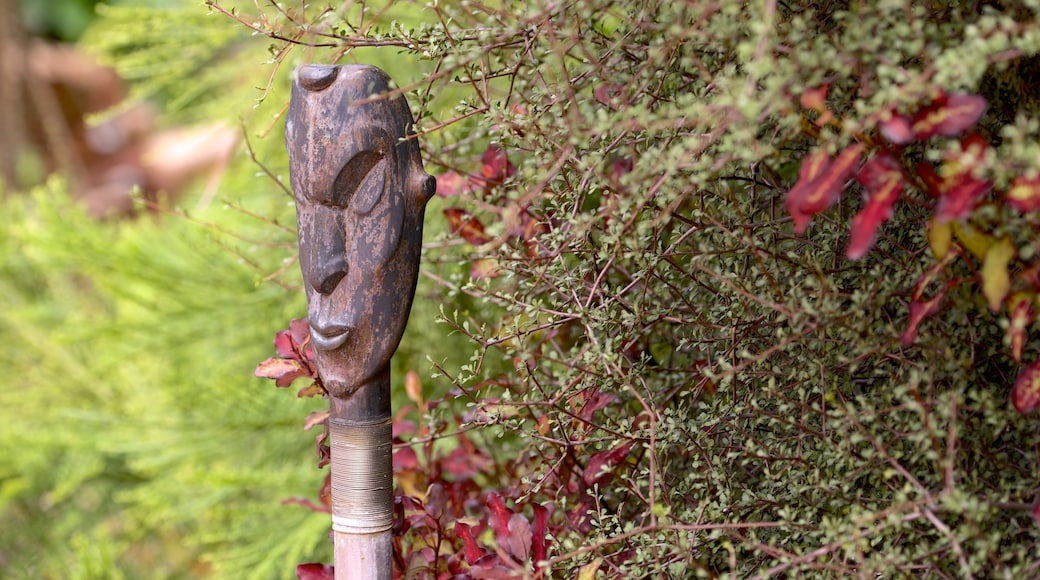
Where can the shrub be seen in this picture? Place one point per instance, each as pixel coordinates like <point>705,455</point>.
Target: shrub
<point>697,350</point>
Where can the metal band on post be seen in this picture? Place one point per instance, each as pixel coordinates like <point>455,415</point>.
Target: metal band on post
<point>362,477</point>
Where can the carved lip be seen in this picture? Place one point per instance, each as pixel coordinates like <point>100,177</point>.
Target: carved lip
<point>330,337</point>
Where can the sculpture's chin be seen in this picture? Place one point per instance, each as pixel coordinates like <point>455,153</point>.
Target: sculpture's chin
<point>341,389</point>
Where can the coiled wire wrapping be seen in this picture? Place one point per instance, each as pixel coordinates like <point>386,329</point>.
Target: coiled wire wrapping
<point>362,476</point>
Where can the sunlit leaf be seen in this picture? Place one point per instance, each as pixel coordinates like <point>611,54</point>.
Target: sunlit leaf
<point>975,241</point>
<point>1025,394</point>
<point>413,387</point>
<point>940,238</point>
<point>588,571</point>
<point>996,281</point>
<point>315,418</point>
<point>284,371</point>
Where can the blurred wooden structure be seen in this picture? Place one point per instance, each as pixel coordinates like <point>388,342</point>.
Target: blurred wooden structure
<point>48,92</point>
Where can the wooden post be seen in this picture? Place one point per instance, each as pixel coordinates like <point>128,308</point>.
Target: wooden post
<point>361,193</point>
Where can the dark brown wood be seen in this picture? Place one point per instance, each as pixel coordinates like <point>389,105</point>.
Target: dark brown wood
<point>361,193</point>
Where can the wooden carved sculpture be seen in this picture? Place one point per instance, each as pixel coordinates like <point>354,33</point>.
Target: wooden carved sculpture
<point>361,193</point>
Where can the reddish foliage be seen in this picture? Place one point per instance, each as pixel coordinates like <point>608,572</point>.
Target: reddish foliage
<point>601,465</point>
<point>466,225</point>
<point>608,94</point>
<point>315,572</point>
<point>948,115</point>
<point>1022,315</point>
<point>959,190</point>
<point>920,308</point>
<point>820,182</point>
<point>883,182</point>
<point>452,183</point>
<point>295,359</point>
<point>1024,194</point>
<point>495,166</point>
<point>1025,394</point>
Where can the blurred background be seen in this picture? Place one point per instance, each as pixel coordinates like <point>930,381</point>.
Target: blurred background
<point>148,258</point>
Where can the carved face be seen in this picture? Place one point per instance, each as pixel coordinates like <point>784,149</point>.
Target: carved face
<point>360,197</point>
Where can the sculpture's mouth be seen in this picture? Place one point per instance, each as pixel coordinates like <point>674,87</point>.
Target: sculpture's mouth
<point>330,337</point>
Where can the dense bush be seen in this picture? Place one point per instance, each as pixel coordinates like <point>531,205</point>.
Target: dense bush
<point>713,366</point>
<point>674,367</point>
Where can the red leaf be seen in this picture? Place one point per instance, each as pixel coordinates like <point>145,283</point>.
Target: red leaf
<point>824,190</point>
<point>315,418</point>
<point>499,517</point>
<point>405,459</point>
<point>812,166</point>
<point>897,129</point>
<point>948,115</point>
<point>283,370</point>
<point>607,93</point>
<point>601,465</point>
<point>453,183</point>
<point>1025,395</point>
<point>820,182</point>
<point>519,542</point>
<point>495,166</point>
<point>960,191</point>
<point>1024,194</point>
<point>933,183</point>
<point>300,330</point>
<point>284,345</point>
<point>815,98</point>
<point>472,551</point>
<point>541,522</point>
<point>918,312</point>
<point>594,403</point>
<point>883,180</point>
<point>960,200</point>
<point>325,493</point>
<point>1021,317</point>
<point>315,572</point>
<point>467,226</point>
<point>618,167</point>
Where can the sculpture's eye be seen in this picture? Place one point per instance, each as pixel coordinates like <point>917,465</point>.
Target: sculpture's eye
<point>358,176</point>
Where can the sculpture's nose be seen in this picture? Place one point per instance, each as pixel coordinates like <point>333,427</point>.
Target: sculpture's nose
<point>329,337</point>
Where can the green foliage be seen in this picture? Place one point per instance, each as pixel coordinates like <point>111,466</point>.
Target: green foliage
<point>633,283</point>
<point>776,422</point>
